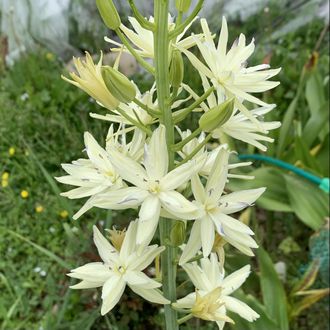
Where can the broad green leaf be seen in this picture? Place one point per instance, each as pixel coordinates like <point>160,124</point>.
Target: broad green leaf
<point>315,124</point>
<point>308,201</point>
<point>275,198</point>
<point>273,292</point>
<point>314,93</point>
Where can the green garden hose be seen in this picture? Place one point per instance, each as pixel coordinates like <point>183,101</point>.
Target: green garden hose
<point>323,183</point>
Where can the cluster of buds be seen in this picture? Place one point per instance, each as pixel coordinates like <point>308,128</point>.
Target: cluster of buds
<point>179,182</point>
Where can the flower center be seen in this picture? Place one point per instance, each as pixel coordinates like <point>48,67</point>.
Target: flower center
<point>154,187</point>
<point>209,207</point>
<point>120,269</point>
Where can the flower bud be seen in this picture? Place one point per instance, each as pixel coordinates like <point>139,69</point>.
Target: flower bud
<point>217,116</point>
<point>178,233</point>
<point>118,84</point>
<point>109,14</point>
<point>176,69</point>
<point>182,5</point>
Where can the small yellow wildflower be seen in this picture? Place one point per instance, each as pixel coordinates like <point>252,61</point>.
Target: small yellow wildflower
<point>5,176</point>
<point>4,183</point>
<point>64,214</point>
<point>39,208</point>
<point>24,194</point>
<point>50,56</point>
<point>11,151</point>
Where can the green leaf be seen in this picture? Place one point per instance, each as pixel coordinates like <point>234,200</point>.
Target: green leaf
<point>308,201</point>
<point>315,124</point>
<point>303,155</point>
<point>314,93</point>
<point>273,292</point>
<point>275,197</point>
<point>308,278</point>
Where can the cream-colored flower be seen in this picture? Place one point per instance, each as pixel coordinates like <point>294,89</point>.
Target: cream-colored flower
<point>215,207</point>
<point>90,80</point>
<point>215,288</point>
<point>143,39</point>
<point>154,187</point>
<point>227,70</point>
<point>120,268</point>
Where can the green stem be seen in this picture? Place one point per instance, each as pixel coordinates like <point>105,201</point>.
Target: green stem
<point>181,114</point>
<point>140,60</point>
<point>185,318</point>
<point>189,19</point>
<point>196,150</point>
<point>143,22</point>
<point>181,144</point>
<point>161,47</point>
<point>133,121</point>
<point>151,112</point>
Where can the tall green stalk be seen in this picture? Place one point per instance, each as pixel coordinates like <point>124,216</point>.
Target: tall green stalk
<point>161,51</point>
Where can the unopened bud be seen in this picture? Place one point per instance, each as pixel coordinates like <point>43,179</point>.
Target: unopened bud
<point>176,69</point>
<point>109,14</point>
<point>118,84</point>
<point>178,233</point>
<point>182,5</point>
<point>217,116</point>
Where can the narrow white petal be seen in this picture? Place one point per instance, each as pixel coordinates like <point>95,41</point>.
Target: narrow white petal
<point>186,302</point>
<point>112,291</point>
<point>86,285</point>
<point>106,251</point>
<point>179,175</point>
<point>152,295</point>
<point>176,204</point>
<point>147,256</point>
<point>198,189</point>
<point>156,155</point>
<point>129,243</point>
<point>193,245</point>
<point>91,272</point>
<point>233,281</point>
<point>241,308</point>
<point>207,235</point>
<point>223,39</point>
<point>140,279</point>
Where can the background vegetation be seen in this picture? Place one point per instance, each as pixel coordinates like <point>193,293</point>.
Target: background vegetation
<point>42,120</point>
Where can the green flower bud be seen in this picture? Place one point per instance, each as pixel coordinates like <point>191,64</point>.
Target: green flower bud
<point>176,69</point>
<point>118,85</point>
<point>217,116</point>
<point>182,5</point>
<point>109,14</point>
<point>178,233</point>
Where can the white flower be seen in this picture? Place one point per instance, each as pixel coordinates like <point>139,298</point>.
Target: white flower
<point>153,186</point>
<point>227,70</point>
<point>118,269</point>
<point>215,207</point>
<point>93,175</point>
<point>207,278</point>
<point>143,39</point>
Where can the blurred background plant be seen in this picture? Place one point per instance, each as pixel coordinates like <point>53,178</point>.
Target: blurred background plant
<point>42,120</point>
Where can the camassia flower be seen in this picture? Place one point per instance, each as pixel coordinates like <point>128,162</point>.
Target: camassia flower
<point>210,284</point>
<point>120,268</point>
<point>90,80</point>
<point>93,175</point>
<point>153,186</point>
<point>215,207</point>
<point>143,39</point>
<point>227,71</point>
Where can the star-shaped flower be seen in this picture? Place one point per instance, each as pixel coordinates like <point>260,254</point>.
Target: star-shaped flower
<point>154,187</point>
<point>215,207</point>
<point>210,282</point>
<point>120,268</point>
<point>227,70</point>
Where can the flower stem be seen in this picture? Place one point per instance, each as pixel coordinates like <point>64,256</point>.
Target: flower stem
<point>161,49</point>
